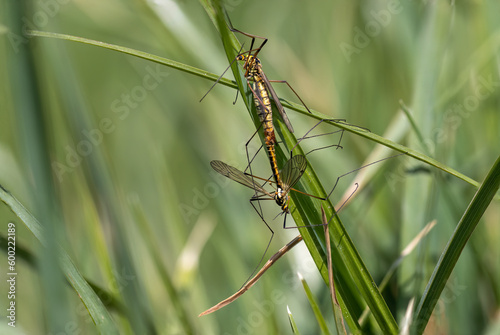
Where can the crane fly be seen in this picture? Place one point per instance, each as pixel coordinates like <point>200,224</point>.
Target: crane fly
<point>292,171</point>
<point>263,92</point>
<point>262,89</point>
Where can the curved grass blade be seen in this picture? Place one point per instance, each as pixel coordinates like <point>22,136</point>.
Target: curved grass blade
<point>394,266</point>
<point>174,294</point>
<point>406,323</point>
<point>299,108</point>
<point>97,310</point>
<point>314,306</point>
<point>383,141</point>
<point>455,245</point>
<point>109,300</point>
<point>239,85</point>
<point>137,53</point>
<point>354,278</point>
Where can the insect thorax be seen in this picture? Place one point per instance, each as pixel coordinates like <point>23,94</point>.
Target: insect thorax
<point>281,199</point>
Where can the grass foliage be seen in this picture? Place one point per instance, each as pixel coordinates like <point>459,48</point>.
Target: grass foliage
<point>122,227</point>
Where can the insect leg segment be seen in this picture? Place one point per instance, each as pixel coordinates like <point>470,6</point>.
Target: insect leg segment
<point>253,37</point>
<point>308,136</point>
<point>270,239</point>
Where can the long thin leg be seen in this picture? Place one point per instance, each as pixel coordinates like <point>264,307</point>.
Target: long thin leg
<point>303,103</point>
<point>323,224</point>
<point>253,37</point>
<point>310,130</point>
<point>296,94</point>
<point>338,146</point>
<point>220,77</point>
<point>259,274</point>
<point>334,186</point>
<point>268,243</point>
<point>360,168</point>
<point>305,137</point>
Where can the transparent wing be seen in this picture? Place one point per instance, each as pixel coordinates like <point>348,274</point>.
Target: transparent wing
<point>276,101</point>
<point>292,171</point>
<point>236,175</point>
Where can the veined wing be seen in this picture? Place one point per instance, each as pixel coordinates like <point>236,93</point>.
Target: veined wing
<point>292,171</point>
<point>276,100</point>
<point>238,176</point>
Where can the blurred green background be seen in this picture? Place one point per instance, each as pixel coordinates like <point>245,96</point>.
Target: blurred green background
<point>128,144</point>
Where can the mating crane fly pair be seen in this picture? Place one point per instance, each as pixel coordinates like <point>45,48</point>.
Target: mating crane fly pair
<point>294,168</point>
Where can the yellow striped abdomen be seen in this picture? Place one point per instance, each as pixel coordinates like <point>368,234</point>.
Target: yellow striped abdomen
<point>263,105</point>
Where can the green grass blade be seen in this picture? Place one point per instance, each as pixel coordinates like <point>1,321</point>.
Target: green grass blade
<point>137,53</point>
<point>453,249</point>
<point>24,253</point>
<point>313,243</point>
<point>306,209</point>
<point>94,305</point>
<point>239,84</point>
<point>167,280</point>
<point>414,126</point>
<point>293,325</point>
<point>33,136</point>
<point>314,306</point>
<point>406,251</point>
<point>383,141</point>
<point>306,212</point>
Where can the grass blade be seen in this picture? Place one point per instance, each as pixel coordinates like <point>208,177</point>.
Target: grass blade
<point>94,305</point>
<point>455,245</point>
<point>305,212</point>
<point>239,84</point>
<point>314,306</point>
<point>406,251</point>
<point>168,282</point>
<point>293,325</point>
<point>137,53</point>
